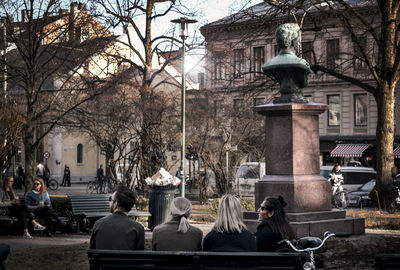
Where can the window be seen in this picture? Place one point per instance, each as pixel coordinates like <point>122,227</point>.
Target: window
<point>258,101</point>
<point>359,63</point>
<point>360,109</point>
<point>79,153</point>
<point>258,59</point>
<point>332,52</point>
<point>333,110</point>
<point>62,35</point>
<point>238,63</point>
<point>219,69</point>
<point>306,51</point>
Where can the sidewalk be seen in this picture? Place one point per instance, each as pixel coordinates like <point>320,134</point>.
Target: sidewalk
<point>16,241</point>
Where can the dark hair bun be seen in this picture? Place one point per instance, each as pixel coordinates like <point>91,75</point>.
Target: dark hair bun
<point>282,201</point>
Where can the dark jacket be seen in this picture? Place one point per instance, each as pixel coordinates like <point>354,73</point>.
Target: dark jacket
<point>229,242</point>
<point>117,231</point>
<point>266,239</point>
<point>165,237</point>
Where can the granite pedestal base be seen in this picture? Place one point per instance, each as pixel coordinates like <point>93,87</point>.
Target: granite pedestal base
<point>315,223</point>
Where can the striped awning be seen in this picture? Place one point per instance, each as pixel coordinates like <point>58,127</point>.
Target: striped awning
<point>349,150</point>
<point>396,151</point>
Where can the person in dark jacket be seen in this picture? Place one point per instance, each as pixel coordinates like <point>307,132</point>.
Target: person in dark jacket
<point>178,234</point>
<point>229,233</point>
<point>67,177</point>
<point>118,231</point>
<point>274,225</point>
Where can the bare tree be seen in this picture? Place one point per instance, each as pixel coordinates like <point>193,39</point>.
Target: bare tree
<point>148,63</point>
<point>11,124</point>
<point>43,52</point>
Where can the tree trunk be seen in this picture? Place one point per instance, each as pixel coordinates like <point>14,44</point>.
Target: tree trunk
<point>30,156</point>
<point>384,138</point>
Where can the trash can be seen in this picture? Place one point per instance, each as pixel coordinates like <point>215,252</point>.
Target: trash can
<point>160,199</point>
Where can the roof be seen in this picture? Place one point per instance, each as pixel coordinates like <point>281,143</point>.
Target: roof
<point>265,12</point>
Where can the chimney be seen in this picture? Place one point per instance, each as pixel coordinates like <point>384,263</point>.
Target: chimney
<point>74,7</point>
<point>25,15</point>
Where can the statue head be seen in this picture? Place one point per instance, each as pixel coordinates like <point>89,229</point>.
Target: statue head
<point>288,37</point>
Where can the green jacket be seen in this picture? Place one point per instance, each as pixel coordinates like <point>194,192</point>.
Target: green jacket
<point>117,231</point>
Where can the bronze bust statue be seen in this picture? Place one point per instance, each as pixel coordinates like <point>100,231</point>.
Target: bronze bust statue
<point>290,71</point>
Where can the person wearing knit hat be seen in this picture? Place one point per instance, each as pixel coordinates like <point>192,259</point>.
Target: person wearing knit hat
<point>178,234</point>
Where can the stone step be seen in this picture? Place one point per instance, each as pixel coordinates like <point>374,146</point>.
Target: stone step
<point>349,225</point>
<point>304,216</point>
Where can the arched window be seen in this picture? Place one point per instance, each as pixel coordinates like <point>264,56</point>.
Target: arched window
<point>79,153</point>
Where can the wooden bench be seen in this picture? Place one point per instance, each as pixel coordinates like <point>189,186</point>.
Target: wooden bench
<point>387,261</point>
<point>93,206</point>
<point>126,259</point>
<point>12,219</point>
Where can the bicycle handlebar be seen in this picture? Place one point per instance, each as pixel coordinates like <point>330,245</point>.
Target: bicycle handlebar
<point>327,235</point>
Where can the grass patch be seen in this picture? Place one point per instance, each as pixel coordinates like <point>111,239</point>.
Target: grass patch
<point>375,219</point>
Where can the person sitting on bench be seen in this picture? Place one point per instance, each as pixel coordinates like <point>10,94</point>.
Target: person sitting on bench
<point>178,230</point>
<point>229,233</point>
<point>118,231</point>
<point>274,225</point>
<point>11,203</point>
<point>38,202</point>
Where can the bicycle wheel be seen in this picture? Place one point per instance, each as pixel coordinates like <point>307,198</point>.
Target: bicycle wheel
<point>53,184</point>
<point>90,187</point>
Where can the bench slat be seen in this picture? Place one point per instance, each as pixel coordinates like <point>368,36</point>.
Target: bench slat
<point>123,259</point>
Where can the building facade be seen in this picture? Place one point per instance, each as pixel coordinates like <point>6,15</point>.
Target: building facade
<point>238,46</point>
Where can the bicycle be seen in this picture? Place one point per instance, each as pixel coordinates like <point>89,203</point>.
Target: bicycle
<point>309,244</point>
<point>339,199</point>
<point>106,186</point>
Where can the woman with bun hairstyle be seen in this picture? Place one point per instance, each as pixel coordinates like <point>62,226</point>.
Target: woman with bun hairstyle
<point>274,225</point>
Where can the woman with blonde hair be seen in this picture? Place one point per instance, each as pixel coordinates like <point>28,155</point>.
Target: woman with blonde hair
<point>38,202</point>
<point>178,234</point>
<point>229,233</point>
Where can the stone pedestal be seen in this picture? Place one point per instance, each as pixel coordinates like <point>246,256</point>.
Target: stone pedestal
<point>292,171</point>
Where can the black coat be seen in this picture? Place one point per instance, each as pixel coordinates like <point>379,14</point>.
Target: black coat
<point>229,242</point>
<point>266,239</point>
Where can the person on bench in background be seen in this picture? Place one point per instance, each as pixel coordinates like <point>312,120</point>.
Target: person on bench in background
<point>118,231</point>
<point>177,234</point>
<point>229,232</point>
<point>38,202</point>
<point>274,225</point>
<point>14,208</point>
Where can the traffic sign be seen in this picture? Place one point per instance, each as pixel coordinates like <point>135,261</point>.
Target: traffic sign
<point>46,155</point>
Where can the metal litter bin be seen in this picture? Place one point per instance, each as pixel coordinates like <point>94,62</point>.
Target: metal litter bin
<point>160,199</point>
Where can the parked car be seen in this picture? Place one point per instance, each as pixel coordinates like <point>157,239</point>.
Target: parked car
<point>354,177</point>
<point>361,195</point>
<point>246,177</point>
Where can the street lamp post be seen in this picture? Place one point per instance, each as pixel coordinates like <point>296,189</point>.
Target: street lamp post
<point>184,25</point>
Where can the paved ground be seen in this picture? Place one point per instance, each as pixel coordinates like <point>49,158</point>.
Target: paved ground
<point>69,239</point>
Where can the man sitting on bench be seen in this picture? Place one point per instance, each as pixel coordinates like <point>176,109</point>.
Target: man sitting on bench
<point>118,231</point>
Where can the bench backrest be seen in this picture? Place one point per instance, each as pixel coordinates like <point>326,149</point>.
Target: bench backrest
<point>387,261</point>
<point>124,259</point>
<point>90,203</point>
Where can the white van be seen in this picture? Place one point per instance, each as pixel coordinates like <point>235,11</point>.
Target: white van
<point>354,177</point>
<point>246,177</point>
